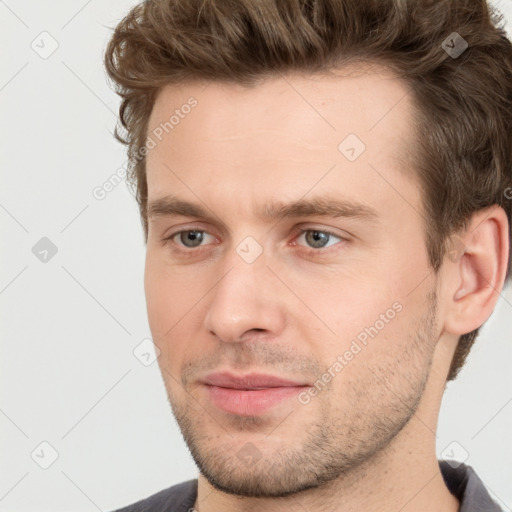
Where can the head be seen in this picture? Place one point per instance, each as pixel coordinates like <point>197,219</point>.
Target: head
<point>345,178</point>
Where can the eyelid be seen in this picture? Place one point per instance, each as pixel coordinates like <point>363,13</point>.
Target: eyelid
<point>298,230</point>
<point>169,233</point>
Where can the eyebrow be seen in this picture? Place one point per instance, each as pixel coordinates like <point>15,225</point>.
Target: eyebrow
<point>321,206</point>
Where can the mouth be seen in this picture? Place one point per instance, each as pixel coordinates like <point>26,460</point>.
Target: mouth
<point>249,395</point>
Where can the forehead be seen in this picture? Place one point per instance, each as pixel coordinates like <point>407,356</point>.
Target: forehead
<point>286,130</point>
<point>358,97</point>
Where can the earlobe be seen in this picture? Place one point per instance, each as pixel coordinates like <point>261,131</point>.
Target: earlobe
<point>478,272</point>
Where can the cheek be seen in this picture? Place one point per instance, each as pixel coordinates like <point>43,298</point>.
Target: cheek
<point>162,296</point>
<point>161,312</point>
<point>173,306</point>
<point>363,311</point>
<point>153,290</point>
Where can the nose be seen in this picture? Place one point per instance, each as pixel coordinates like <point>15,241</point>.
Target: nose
<point>245,302</point>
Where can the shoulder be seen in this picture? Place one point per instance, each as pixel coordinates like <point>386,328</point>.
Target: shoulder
<point>178,498</point>
<point>464,483</point>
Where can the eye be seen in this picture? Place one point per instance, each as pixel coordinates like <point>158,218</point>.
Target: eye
<point>189,238</point>
<point>319,239</point>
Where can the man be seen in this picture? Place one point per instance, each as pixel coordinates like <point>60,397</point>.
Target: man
<point>323,189</point>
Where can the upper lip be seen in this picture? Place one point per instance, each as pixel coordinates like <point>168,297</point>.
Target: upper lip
<point>249,381</point>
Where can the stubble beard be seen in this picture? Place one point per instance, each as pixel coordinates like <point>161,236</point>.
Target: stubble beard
<point>337,442</point>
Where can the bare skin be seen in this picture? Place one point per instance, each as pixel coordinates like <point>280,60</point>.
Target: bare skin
<point>366,440</point>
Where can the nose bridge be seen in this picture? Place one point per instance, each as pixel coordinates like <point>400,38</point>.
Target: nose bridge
<point>242,300</point>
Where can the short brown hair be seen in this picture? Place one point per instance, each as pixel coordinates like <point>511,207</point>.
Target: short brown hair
<point>463,103</point>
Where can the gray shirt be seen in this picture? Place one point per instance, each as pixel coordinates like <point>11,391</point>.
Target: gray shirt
<point>462,482</point>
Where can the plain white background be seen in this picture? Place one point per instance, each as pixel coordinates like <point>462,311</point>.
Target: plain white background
<point>70,379</point>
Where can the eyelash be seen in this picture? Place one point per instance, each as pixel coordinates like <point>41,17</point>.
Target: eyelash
<point>296,232</point>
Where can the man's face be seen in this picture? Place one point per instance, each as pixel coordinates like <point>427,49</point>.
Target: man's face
<point>340,304</point>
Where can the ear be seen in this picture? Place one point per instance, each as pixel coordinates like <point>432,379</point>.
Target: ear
<point>475,267</point>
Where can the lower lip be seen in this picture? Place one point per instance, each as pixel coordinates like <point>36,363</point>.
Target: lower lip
<point>253,402</point>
